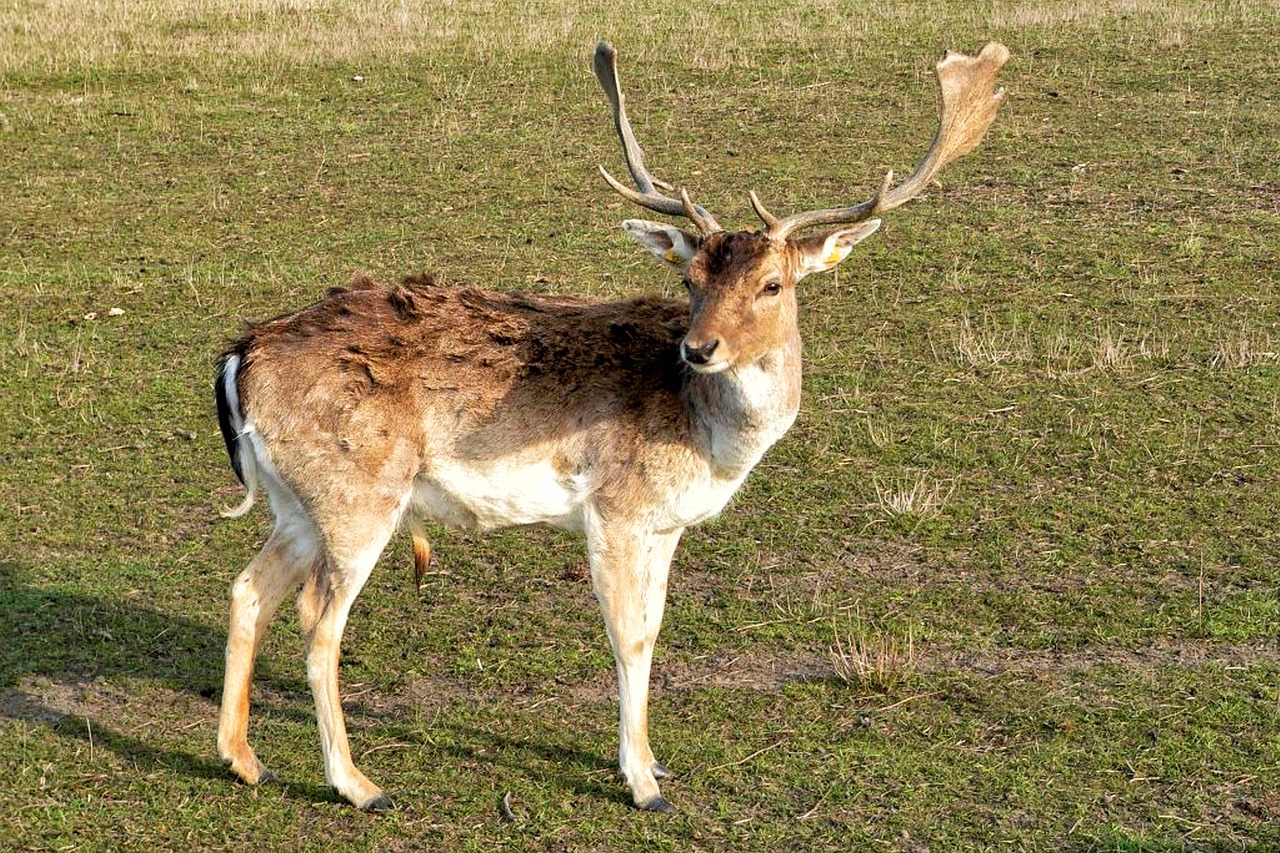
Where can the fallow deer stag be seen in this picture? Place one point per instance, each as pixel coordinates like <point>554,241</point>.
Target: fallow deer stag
<point>623,421</point>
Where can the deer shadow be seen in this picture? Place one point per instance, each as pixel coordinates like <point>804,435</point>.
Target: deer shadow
<point>60,648</point>
<point>61,652</point>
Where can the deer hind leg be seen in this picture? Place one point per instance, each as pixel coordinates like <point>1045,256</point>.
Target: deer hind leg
<point>629,573</point>
<point>323,606</point>
<point>279,568</point>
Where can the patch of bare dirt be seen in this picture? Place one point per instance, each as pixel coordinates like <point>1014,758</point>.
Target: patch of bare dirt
<point>46,701</point>
<point>1188,654</point>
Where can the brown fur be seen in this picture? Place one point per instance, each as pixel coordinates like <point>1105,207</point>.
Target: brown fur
<point>476,360</point>
<point>382,404</point>
<point>378,405</point>
<point>370,342</point>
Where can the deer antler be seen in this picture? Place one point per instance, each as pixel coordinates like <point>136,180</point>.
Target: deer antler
<point>968,108</point>
<point>647,196</point>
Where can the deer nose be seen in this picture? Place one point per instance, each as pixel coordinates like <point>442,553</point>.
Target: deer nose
<point>699,353</point>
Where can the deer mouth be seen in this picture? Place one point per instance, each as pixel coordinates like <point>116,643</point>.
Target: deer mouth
<point>708,367</point>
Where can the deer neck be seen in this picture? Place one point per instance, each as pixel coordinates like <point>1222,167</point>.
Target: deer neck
<point>738,414</point>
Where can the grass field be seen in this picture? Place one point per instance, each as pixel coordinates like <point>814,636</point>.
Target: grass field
<point>1010,582</point>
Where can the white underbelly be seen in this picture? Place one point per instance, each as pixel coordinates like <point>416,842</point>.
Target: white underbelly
<point>503,493</point>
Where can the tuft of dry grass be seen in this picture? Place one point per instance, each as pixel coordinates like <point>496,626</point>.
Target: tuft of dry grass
<point>1057,349</point>
<point>915,498</point>
<point>872,659</point>
<point>984,344</point>
<point>1244,348</point>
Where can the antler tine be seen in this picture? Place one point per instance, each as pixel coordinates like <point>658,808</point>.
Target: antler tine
<point>770,221</point>
<point>646,192</point>
<point>968,108</point>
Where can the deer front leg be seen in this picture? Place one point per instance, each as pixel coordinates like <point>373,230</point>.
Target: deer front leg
<point>629,574</point>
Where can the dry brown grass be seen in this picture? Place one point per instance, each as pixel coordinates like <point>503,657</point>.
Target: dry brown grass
<point>1244,348</point>
<point>256,36</point>
<point>872,659</point>
<point>1170,17</point>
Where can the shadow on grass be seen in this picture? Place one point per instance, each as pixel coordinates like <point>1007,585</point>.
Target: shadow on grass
<point>66,660</point>
<point>584,773</point>
<point>64,657</point>
<point>72,637</point>
<point>58,649</point>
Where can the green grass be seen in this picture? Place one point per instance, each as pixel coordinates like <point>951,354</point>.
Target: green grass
<point>1039,436</point>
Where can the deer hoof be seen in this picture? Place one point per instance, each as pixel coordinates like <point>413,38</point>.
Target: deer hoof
<point>660,770</point>
<point>380,803</point>
<point>658,804</point>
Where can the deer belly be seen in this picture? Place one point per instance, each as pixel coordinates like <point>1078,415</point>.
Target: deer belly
<point>501,493</point>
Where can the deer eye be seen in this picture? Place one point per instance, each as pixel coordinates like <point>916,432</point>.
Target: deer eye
<point>771,288</point>
<point>688,283</point>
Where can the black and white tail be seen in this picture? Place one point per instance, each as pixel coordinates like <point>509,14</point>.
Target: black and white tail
<point>231,422</point>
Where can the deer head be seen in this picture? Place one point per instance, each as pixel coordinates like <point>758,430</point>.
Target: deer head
<point>742,283</point>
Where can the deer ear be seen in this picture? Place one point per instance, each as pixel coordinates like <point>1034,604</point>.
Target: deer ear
<point>672,245</point>
<point>824,251</point>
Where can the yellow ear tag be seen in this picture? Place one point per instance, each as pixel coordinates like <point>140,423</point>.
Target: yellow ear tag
<point>671,256</point>
<point>837,255</point>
